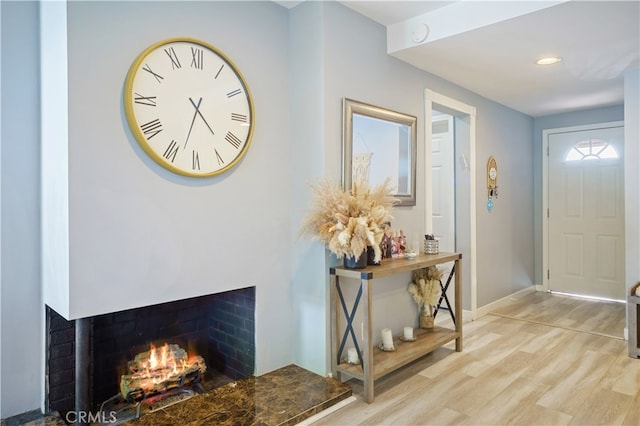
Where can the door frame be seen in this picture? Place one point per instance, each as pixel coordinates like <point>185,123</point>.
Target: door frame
<point>431,100</point>
<point>545,189</point>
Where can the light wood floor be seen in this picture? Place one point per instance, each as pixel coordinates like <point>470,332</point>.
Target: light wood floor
<point>511,371</point>
<point>606,318</point>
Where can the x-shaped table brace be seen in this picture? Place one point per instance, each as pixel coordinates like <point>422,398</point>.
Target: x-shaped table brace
<point>349,328</point>
<point>444,296</point>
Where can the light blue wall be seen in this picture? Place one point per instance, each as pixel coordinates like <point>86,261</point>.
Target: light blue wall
<point>299,65</point>
<point>135,225</point>
<point>21,374</point>
<point>346,57</point>
<point>576,118</point>
<point>358,67</point>
<point>310,261</point>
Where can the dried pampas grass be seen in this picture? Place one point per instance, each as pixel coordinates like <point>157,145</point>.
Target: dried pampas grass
<point>425,287</point>
<point>349,221</point>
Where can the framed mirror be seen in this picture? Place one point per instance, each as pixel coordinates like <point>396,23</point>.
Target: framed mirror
<point>378,143</point>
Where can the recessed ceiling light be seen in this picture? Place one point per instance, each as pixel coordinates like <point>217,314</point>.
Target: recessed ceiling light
<point>549,61</point>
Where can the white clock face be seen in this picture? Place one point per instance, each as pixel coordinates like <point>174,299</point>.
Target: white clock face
<point>188,107</point>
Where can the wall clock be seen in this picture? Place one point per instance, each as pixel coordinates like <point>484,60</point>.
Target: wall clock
<point>189,107</point>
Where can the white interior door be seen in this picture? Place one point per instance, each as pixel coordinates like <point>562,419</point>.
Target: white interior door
<point>443,185</point>
<point>586,212</point>
<point>442,175</point>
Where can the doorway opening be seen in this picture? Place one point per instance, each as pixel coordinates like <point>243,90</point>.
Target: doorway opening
<point>450,194</point>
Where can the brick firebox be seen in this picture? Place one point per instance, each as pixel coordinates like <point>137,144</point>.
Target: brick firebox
<point>218,327</point>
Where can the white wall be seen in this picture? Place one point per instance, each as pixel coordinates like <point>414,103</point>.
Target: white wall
<point>54,167</point>
<point>21,312</point>
<point>632,175</point>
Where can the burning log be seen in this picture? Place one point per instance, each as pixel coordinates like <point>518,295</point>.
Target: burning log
<point>156,371</point>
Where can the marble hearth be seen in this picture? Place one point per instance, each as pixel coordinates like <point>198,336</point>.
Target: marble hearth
<point>282,397</point>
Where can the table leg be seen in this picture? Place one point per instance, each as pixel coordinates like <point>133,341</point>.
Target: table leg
<point>458,296</point>
<point>367,344</point>
<point>335,333</point>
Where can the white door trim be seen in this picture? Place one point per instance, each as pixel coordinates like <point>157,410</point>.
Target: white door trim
<point>545,189</point>
<point>432,98</point>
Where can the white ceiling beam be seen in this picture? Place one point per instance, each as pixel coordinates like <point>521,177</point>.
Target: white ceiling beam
<point>455,19</point>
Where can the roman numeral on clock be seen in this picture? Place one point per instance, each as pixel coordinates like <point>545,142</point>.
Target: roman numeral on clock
<point>175,62</point>
<point>197,58</point>
<point>238,117</point>
<point>151,128</point>
<point>171,151</point>
<point>195,160</point>
<point>157,76</point>
<point>220,160</point>
<point>144,100</point>
<point>233,140</point>
<point>219,71</point>
<point>234,93</point>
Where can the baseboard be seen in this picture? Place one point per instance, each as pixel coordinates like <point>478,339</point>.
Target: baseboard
<point>540,287</point>
<point>324,413</point>
<point>626,333</point>
<point>467,316</point>
<point>484,310</point>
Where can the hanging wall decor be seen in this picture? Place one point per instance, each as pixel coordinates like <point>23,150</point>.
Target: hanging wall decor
<point>492,182</point>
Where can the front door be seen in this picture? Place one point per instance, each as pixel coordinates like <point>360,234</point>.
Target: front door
<point>586,212</point>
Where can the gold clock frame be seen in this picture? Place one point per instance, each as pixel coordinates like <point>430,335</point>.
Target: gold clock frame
<point>128,102</point>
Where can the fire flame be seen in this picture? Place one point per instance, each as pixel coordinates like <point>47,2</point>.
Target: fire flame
<point>161,367</point>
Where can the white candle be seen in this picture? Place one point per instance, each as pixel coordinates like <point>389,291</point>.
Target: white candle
<point>352,356</point>
<point>387,339</point>
<point>408,333</point>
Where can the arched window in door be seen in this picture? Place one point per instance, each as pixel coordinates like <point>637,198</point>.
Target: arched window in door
<point>591,149</point>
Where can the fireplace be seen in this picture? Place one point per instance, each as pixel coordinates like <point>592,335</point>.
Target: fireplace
<point>218,328</point>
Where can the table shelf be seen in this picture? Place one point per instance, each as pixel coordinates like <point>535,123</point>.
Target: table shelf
<point>377,363</point>
<point>385,362</point>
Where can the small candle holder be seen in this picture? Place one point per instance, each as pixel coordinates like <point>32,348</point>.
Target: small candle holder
<point>408,335</point>
<point>387,341</point>
<point>352,356</point>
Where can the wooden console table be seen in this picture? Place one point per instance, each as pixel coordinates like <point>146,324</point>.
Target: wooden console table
<point>373,362</point>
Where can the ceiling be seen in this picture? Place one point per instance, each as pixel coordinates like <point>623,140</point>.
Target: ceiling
<point>597,41</point>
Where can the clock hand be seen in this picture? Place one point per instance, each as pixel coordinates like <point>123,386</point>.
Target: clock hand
<point>192,121</point>
<point>197,107</point>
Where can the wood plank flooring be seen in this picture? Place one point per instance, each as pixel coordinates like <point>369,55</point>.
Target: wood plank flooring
<point>598,317</point>
<point>517,370</point>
